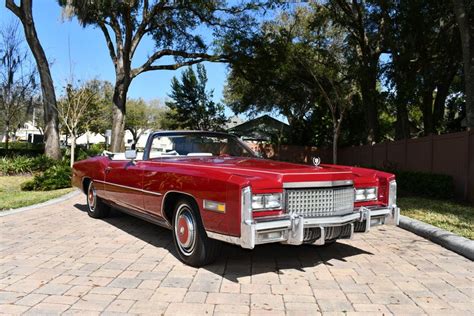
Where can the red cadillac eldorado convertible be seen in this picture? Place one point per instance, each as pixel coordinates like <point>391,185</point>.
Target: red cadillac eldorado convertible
<point>210,187</point>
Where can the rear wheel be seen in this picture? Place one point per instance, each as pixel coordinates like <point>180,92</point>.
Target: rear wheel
<point>190,239</point>
<point>95,207</point>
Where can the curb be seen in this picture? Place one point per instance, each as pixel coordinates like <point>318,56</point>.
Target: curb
<point>453,242</point>
<point>34,206</point>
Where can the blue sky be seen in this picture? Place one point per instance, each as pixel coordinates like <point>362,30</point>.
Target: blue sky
<point>90,58</point>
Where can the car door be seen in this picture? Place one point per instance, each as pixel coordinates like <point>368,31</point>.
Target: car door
<point>124,184</point>
<point>153,187</point>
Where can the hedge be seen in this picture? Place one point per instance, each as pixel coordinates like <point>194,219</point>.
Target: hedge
<point>425,184</point>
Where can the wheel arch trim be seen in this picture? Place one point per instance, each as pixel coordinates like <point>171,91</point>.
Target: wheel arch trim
<point>163,201</point>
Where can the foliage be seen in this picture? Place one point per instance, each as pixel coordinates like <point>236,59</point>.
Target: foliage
<point>464,12</point>
<point>24,165</point>
<point>400,61</point>
<point>94,150</point>
<point>425,184</point>
<point>21,149</point>
<point>18,85</point>
<point>424,43</point>
<point>448,215</point>
<point>12,197</point>
<point>74,108</point>
<point>192,106</point>
<point>295,66</point>
<point>172,25</point>
<point>100,119</point>
<point>142,117</point>
<point>56,177</point>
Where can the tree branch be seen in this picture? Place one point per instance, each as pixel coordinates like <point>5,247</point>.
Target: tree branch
<point>118,33</point>
<point>108,39</point>
<point>198,57</point>
<point>10,4</point>
<point>146,18</point>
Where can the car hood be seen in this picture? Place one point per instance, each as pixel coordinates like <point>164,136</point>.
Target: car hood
<point>264,173</point>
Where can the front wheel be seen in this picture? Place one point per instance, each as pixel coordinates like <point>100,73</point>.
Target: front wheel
<point>190,239</point>
<point>95,207</point>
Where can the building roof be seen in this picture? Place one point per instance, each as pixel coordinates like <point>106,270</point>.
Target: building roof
<point>261,128</point>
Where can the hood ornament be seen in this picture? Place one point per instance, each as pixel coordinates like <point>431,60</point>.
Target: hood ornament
<point>316,161</point>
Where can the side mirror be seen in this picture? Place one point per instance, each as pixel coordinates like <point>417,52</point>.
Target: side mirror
<point>131,154</point>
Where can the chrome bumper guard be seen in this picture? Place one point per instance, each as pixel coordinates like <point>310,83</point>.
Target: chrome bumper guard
<point>289,229</point>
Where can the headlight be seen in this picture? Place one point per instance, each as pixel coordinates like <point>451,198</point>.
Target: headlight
<point>392,193</point>
<point>366,194</point>
<point>267,201</point>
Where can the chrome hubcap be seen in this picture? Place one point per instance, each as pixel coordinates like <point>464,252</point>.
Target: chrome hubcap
<point>91,196</point>
<point>185,230</point>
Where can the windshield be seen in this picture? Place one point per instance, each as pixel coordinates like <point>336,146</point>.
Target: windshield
<point>198,144</point>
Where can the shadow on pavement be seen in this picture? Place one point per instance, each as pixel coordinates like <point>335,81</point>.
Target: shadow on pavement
<point>236,262</point>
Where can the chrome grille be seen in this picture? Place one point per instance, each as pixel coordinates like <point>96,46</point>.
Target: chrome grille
<point>320,202</point>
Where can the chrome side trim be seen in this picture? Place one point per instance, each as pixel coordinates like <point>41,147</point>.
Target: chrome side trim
<point>128,187</point>
<point>316,184</point>
<point>225,238</point>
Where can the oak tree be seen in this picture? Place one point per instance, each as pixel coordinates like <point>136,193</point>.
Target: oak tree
<point>173,27</point>
<point>51,120</point>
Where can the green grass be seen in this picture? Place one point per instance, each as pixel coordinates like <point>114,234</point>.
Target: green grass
<point>11,195</point>
<point>448,215</point>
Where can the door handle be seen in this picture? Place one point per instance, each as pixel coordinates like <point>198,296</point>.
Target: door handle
<point>107,170</point>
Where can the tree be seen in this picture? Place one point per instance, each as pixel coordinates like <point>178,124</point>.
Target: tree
<point>172,26</point>
<point>192,106</point>
<point>297,68</point>
<point>141,117</point>
<point>464,11</point>
<point>365,23</point>
<point>51,126</point>
<point>266,76</point>
<point>17,81</point>
<point>101,120</point>
<point>74,109</point>
<point>423,42</point>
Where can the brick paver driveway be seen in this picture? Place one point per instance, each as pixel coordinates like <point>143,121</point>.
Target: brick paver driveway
<point>58,260</point>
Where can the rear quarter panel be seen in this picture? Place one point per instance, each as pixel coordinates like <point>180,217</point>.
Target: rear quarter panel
<point>91,168</point>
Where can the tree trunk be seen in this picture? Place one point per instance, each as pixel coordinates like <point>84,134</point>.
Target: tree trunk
<point>439,103</point>
<point>368,84</point>
<point>427,109</point>
<point>118,115</point>
<point>51,120</point>
<point>466,29</point>
<point>335,140</point>
<point>7,136</point>
<point>402,127</point>
<point>73,149</point>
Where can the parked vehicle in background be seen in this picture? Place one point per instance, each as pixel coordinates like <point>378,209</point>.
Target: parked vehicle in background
<point>210,188</point>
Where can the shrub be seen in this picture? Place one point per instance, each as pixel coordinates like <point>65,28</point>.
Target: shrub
<point>24,164</point>
<point>56,177</point>
<point>419,183</point>
<point>425,184</point>
<point>21,149</point>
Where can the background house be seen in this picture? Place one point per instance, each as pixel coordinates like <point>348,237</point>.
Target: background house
<point>261,130</point>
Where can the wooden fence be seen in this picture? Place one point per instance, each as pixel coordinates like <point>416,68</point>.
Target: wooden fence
<point>450,154</point>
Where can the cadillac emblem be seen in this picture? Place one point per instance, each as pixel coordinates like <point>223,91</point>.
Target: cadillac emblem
<point>316,161</point>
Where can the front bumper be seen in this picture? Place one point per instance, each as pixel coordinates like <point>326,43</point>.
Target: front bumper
<point>290,229</point>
